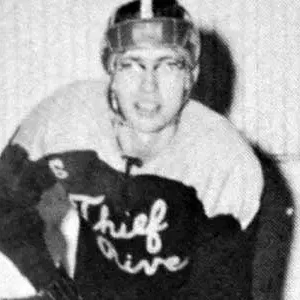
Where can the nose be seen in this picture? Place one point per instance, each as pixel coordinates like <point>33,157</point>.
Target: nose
<point>149,81</point>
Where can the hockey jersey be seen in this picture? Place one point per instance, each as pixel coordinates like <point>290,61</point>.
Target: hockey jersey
<point>154,230</point>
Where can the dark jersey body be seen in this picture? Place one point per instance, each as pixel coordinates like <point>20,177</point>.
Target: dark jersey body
<point>140,237</point>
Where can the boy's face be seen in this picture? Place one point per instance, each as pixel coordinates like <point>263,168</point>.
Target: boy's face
<point>150,84</point>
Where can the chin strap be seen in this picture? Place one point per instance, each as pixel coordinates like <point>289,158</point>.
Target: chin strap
<point>127,204</point>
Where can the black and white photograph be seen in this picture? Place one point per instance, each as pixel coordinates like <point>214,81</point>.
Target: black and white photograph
<point>149,149</point>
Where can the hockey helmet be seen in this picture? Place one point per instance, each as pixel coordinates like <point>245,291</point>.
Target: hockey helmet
<point>151,23</point>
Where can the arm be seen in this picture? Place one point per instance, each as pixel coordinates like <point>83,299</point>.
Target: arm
<point>21,227</point>
<point>235,188</point>
<point>223,263</point>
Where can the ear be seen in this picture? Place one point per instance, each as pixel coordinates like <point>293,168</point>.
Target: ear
<point>112,82</point>
<point>195,73</point>
<point>192,76</point>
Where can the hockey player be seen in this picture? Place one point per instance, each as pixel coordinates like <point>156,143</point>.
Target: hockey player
<point>157,189</point>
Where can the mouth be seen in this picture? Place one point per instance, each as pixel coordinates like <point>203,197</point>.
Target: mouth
<point>147,109</point>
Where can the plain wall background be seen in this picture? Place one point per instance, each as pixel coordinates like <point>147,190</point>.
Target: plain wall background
<point>44,44</point>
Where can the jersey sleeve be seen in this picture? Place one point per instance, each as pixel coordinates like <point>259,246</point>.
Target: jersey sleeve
<point>236,189</point>
<point>22,226</point>
<point>222,266</point>
<point>22,183</point>
<point>32,132</point>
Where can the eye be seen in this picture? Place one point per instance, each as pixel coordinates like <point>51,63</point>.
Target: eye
<point>129,65</point>
<point>175,64</point>
<point>124,65</point>
<point>171,65</point>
